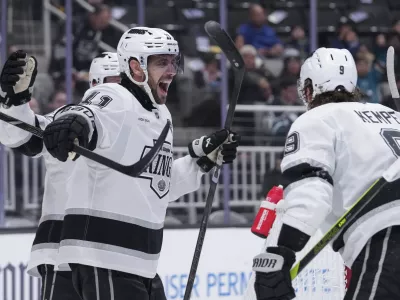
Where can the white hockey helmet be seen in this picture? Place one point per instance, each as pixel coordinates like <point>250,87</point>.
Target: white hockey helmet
<point>326,70</point>
<point>142,42</point>
<point>104,65</point>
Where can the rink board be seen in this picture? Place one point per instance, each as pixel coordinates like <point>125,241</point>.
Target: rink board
<point>224,269</point>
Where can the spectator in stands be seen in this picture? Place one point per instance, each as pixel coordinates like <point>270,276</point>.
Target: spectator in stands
<point>339,42</point>
<point>257,33</point>
<point>283,120</point>
<point>58,99</point>
<point>291,65</point>
<point>299,41</point>
<point>87,33</point>
<point>198,89</point>
<point>254,80</point>
<point>380,48</point>
<point>368,79</point>
<point>352,43</point>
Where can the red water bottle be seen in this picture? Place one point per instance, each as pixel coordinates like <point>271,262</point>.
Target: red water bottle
<point>267,213</point>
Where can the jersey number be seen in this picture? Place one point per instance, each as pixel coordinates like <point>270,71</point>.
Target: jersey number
<point>392,139</point>
<point>341,69</point>
<point>104,100</point>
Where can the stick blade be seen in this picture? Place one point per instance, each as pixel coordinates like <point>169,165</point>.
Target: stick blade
<point>224,41</point>
<point>392,77</point>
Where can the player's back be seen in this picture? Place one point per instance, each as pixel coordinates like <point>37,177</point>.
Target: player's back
<point>355,143</point>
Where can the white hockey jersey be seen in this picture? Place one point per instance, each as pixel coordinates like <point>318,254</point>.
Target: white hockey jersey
<point>119,225</point>
<point>45,246</point>
<point>355,143</point>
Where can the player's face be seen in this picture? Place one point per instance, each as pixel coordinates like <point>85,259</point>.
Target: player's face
<point>161,70</point>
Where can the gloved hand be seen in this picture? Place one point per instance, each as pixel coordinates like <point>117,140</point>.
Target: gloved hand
<point>17,78</point>
<point>272,269</point>
<point>60,136</point>
<point>207,148</point>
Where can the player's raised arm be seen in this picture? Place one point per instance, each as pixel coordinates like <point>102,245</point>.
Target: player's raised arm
<point>17,80</point>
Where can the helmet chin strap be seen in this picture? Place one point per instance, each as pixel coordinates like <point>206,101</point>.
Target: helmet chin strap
<point>144,84</point>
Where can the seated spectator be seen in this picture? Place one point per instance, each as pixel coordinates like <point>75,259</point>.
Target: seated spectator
<point>58,99</point>
<point>299,41</point>
<point>283,120</point>
<point>87,33</point>
<point>254,63</point>
<point>339,41</point>
<point>291,66</point>
<point>380,49</point>
<point>197,85</point>
<point>258,34</point>
<point>352,42</point>
<point>254,79</point>
<point>368,79</point>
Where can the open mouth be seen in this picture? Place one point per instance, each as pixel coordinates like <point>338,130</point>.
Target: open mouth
<point>163,87</point>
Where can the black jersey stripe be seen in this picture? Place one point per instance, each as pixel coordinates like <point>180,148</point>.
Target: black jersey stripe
<point>112,232</point>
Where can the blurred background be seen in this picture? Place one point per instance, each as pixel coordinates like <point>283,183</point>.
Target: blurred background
<point>274,38</point>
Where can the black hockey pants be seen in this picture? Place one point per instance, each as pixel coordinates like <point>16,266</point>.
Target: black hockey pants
<point>57,285</point>
<point>101,284</point>
<point>376,270</point>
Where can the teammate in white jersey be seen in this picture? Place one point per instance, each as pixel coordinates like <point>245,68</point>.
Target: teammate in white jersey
<point>104,69</point>
<point>113,229</point>
<point>15,80</point>
<point>333,153</point>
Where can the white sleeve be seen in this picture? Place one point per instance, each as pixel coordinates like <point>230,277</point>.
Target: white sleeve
<point>185,177</point>
<point>10,135</point>
<point>105,108</point>
<point>308,164</point>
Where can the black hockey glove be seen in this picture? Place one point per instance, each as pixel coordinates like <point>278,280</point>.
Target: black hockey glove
<point>17,78</point>
<point>272,269</point>
<point>208,147</point>
<point>60,135</point>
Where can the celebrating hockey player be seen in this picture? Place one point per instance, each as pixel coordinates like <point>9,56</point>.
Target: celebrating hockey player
<point>113,228</point>
<point>333,153</point>
<point>17,79</point>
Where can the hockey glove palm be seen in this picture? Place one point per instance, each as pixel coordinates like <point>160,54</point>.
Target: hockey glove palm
<point>60,136</point>
<point>272,269</point>
<point>207,148</point>
<point>17,78</point>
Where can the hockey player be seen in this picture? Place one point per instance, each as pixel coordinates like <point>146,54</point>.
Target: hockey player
<point>333,153</point>
<point>104,69</point>
<point>17,80</point>
<point>113,228</point>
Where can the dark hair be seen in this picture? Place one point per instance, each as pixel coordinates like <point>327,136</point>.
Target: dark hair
<point>337,96</point>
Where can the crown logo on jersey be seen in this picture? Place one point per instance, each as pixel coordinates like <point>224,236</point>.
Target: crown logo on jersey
<point>159,171</point>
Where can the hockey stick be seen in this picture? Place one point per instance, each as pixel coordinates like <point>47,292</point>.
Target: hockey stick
<point>391,174</point>
<point>391,77</point>
<point>132,170</point>
<point>224,41</point>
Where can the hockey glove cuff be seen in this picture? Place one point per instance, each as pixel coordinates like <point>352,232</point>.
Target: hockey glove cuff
<point>17,78</point>
<point>221,145</point>
<point>73,124</point>
<point>272,270</point>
